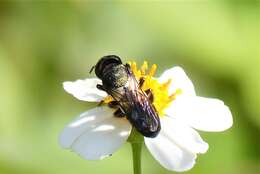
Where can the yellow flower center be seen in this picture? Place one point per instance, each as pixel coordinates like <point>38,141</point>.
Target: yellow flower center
<point>161,96</point>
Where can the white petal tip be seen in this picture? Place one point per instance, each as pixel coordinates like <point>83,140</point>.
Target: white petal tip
<point>66,86</point>
<point>169,155</point>
<point>92,157</point>
<point>226,121</point>
<point>63,141</point>
<point>205,114</point>
<point>85,90</point>
<point>204,148</point>
<point>182,167</point>
<point>229,119</point>
<point>180,80</point>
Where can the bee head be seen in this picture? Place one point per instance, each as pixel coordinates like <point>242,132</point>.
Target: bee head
<point>105,63</point>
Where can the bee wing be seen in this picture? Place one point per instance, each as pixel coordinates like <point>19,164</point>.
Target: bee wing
<point>142,115</point>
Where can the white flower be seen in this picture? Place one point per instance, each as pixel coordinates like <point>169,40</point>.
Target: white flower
<point>97,133</point>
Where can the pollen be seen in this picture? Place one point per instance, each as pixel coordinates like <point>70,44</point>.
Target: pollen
<point>107,99</point>
<point>162,98</point>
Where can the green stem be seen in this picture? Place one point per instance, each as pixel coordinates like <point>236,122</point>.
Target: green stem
<point>136,151</point>
<point>136,140</point>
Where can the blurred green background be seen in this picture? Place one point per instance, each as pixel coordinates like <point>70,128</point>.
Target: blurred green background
<point>43,44</point>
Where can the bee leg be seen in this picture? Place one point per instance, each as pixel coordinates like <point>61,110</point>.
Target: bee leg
<point>119,113</point>
<point>100,87</point>
<point>141,82</point>
<point>92,68</point>
<point>113,104</point>
<point>149,95</point>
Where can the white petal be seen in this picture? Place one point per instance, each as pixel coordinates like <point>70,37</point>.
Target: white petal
<point>183,135</point>
<point>179,81</point>
<point>169,155</point>
<point>85,90</point>
<point>86,121</point>
<point>96,133</point>
<point>201,113</point>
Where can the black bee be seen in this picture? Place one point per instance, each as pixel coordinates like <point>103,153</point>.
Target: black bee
<point>119,81</point>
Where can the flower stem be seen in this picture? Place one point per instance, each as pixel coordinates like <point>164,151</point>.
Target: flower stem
<point>136,140</point>
<point>136,151</point>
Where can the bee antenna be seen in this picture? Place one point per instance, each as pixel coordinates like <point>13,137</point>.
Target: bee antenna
<point>92,68</point>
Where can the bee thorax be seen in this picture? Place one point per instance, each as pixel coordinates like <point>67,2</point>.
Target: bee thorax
<point>115,77</point>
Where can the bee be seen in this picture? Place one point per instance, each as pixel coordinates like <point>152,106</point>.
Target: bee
<point>130,100</point>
